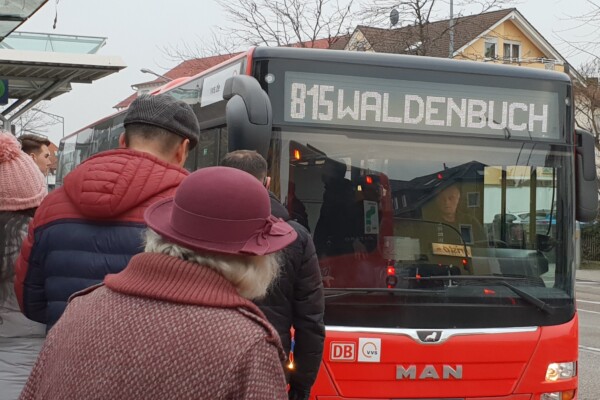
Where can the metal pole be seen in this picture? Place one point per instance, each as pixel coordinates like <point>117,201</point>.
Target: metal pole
<point>148,71</point>
<point>451,46</point>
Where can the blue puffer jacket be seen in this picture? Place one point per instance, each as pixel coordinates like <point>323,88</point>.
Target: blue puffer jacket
<point>88,228</point>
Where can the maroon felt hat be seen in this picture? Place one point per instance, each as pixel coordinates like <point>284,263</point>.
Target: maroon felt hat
<point>223,210</point>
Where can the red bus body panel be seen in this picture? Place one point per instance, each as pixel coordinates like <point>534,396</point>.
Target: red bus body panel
<point>504,366</point>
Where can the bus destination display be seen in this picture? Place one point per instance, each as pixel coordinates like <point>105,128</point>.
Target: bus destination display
<point>416,105</point>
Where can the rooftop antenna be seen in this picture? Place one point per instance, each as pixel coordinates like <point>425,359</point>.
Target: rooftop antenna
<point>451,27</point>
<point>394,17</point>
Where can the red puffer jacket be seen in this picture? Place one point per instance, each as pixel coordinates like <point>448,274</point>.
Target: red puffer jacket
<point>88,228</point>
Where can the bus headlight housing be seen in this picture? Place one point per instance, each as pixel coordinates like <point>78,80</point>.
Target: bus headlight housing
<point>560,371</point>
<point>566,395</point>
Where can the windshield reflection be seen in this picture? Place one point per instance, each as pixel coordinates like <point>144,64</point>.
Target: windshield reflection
<point>389,214</point>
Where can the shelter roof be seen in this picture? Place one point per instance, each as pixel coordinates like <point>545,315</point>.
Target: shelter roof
<point>14,12</point>
<point>30,73</point>
<point>34,76</point>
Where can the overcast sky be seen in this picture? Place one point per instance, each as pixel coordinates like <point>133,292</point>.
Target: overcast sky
<point>139,30</point>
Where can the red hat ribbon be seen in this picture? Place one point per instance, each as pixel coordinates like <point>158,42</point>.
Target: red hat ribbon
<point>258,244</point>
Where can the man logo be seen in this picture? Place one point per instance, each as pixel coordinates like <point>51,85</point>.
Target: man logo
<point>342,351</point>
<point>429,336</point>
<point>435,372</point>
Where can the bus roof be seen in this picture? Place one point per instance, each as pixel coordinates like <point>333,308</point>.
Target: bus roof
<point>162,89</point>
<point>409,61</point>
<point>364,58</point>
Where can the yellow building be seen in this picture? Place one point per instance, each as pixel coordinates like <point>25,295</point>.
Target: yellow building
<point>502,36</point>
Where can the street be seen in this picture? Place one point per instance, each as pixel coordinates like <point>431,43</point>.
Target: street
<point>588,305</point>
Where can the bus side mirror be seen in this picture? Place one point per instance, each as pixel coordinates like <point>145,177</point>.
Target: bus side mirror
<point>248,115</point>
<point>585,177</point>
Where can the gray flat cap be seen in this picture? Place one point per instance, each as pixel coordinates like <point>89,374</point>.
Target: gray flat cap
<point>166,112</point>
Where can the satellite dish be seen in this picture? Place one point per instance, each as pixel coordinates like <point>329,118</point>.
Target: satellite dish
<point>394,17</point>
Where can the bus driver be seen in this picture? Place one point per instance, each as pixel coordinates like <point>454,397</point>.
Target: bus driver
<point>446,203</point>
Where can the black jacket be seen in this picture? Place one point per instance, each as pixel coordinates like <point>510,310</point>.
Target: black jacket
<point>296,299</point>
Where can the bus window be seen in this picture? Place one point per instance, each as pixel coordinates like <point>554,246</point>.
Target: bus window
<point>83,146</point>
<point>116,130</point>
<point>223,144</point>
<point>101,138</point>
<point>190,162</point>
<point>363,219</point>
<point>337,229</point>
<point>66,160</point>
<point>207,150</point>
<point>305,190</point>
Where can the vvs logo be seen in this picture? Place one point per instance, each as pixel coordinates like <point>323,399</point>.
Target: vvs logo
<point>369,350</point>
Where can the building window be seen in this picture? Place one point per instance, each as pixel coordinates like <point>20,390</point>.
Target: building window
<point>512,51</point>
<point>549,64</point>
<point>490,49</point>
<point>413,47</point>
<point>473,199</point>
<point>359,44</point>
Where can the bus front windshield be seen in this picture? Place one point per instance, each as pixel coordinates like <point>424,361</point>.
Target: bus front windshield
<point>411,221</point>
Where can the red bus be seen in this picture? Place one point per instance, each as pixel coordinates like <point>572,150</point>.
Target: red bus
<point>424,299</point>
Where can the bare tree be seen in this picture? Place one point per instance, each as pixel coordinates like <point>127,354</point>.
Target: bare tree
<point>410,12</point>
<point>287,22</point>
<point>421,12</point>
<point>272,23</point>
<point>217,44</point>
<point>587,99</point>
<point>34,121</point>
<point>587,104</point>
<point>587,25</point>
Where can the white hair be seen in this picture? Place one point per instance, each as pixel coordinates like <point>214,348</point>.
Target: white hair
<point>250,275</point>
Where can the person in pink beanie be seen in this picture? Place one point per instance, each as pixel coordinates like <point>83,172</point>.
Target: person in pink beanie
<point>22,188</point>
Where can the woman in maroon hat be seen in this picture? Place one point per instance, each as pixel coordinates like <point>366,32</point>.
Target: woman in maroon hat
<point>178,322</point>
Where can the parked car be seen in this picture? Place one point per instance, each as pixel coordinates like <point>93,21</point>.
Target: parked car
<point>543,224</point>
<point>588,226</point>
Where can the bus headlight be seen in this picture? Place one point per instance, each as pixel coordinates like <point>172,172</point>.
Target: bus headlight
<point>560,371</point>
<point>566,395</point>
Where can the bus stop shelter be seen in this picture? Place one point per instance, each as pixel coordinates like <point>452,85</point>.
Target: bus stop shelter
<point>37,66</point>
<point>33,76</point>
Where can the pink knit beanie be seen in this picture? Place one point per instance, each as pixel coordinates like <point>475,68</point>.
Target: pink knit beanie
<point>22,184</point>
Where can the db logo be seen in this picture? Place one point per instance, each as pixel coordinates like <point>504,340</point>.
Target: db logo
<point>342,351</point>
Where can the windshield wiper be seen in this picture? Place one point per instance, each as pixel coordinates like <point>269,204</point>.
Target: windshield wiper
<point>341,292</point>
<point>499,280</point>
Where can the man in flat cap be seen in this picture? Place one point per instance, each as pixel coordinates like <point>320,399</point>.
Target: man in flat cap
<point>93,224</point>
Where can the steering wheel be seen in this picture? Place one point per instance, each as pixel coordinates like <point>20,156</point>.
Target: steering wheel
<point>497,244</point>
